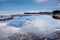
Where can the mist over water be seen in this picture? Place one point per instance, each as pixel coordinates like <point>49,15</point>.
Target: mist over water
<point>42,25</point>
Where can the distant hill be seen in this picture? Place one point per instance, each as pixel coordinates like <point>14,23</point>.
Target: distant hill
<point>48,13</point>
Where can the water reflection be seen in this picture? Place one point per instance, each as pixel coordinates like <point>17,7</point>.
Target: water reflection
<point>20,21</point>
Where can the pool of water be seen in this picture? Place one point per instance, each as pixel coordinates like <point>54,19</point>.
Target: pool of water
<point>20,21</point>
<point>43,25</point>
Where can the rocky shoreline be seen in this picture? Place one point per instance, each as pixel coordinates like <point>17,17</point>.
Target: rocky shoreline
<point>30,36</point>
<point>55,14</point>
<point>3,18</point>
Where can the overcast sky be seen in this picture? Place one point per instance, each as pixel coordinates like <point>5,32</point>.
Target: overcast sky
<point>29,5</point>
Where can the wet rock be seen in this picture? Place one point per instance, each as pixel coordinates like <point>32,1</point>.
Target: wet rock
<point>56,17</point>
<point>3,18</point>
<point>56,14</point>
<point>29,36</point>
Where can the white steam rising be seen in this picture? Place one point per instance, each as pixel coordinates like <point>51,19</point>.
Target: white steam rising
<point>6,31</point>
<point>44,27</point>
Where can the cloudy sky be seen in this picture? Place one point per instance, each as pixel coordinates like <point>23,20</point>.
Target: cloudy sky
<point>28,5</point>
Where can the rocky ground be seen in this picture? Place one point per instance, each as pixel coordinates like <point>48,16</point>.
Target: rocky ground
<point>29,36</point>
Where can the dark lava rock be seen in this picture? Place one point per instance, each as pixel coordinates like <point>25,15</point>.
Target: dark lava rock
<point>56,17</point>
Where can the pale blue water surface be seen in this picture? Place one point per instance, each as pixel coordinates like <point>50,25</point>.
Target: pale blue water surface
<point>44,25</point>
